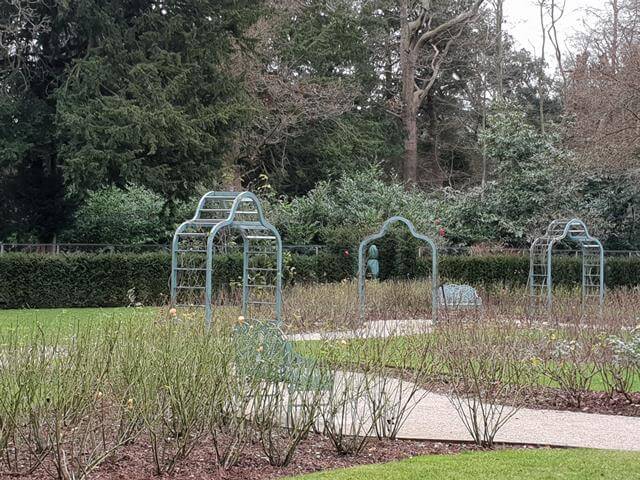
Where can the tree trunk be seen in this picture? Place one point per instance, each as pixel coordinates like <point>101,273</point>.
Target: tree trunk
<point>230,171</point>
<point>500,50</point>
<point>435,172</point>
<point>410,170</point>
<point>409,100</point>
<point>483,181</point>
<point>615,35</point>
<point>541,92</point>
<point>416,35</point>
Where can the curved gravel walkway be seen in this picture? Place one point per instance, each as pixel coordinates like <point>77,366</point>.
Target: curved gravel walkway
<point>374,329</point>
<point>434,418</point>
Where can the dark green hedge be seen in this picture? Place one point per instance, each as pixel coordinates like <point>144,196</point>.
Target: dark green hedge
<point>29,280</point>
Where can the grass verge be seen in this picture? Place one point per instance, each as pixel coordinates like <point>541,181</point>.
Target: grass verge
<point>543,464</point>
<point>56,323</point>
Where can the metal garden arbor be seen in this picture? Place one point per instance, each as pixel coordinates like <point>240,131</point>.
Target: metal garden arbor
<point>540,262</point>
<point>194,248</point>
<point>362,262</point>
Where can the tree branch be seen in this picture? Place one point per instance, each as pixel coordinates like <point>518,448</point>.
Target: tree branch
<point>440,29</point>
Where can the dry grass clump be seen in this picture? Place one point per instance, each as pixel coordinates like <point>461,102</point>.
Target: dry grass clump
<point>621,308</point>
<point>335,306</point>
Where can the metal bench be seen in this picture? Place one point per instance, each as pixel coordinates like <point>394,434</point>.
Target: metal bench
<point>451,295</point>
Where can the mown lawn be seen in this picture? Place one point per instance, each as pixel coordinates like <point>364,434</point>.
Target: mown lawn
<point>544,464</point>
<point>400,352</point>
<point>62,322</point>
<point>53,324</point>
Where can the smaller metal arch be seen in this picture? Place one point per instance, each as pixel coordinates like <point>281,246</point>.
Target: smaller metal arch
<point>540,261</point>
<point>383,231</point>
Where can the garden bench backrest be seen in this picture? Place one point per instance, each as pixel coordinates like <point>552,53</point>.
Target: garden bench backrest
<point>458,296</point>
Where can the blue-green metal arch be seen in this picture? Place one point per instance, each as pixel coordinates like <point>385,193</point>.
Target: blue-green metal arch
<point>362,266</point>
<point>576,231</point>
<point>243,227</point>
<point>216,227</point>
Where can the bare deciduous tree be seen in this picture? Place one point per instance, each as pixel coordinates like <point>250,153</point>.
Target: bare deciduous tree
<point>283,98</point>
<point>421,32</point>
<point>541,91</point>
<point>499,4</point>
<point>556,12</point>
<point>603,94</point>
<point>20,27</point>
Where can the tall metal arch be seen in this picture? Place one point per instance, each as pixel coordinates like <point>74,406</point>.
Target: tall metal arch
<point>193,251</point>
<point>362,264</point>
<point>540,262</point>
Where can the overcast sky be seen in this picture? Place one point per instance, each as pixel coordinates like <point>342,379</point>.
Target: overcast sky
<point>522,21</point>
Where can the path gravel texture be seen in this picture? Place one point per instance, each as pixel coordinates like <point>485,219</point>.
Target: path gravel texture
<point>433,416</point>
<point>375,329</point>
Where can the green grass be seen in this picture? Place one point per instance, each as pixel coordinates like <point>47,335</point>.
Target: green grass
<point>395,356</point>
<point>544,464</point>
<point>54,324</point>
<point>62,322</point>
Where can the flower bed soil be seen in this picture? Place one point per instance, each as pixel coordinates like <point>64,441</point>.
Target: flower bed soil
<point>592,402</point>
<point>546,398</point>
<point>316,453</point>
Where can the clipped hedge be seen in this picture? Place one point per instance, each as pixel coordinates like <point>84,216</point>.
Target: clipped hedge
<point>39,281</point>
<point>101,280</point>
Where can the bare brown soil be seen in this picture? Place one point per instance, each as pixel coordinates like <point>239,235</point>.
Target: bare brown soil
<point>591,402</point>
<point>314,454</point>
<point>547,398</point>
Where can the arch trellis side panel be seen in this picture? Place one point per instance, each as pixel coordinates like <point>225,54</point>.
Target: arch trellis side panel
<point>194,249</point>
<point>362,264</point>
<point>541,256</point>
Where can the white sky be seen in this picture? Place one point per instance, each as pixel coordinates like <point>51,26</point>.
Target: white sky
<point>522,21</point>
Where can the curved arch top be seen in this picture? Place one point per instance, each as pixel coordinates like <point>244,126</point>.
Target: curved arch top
<point>540,261</point>
<point>206,216</point>
<point>398,219</point>
<point>573,229</point>
<point>193,250</point>
<point>381,233</point>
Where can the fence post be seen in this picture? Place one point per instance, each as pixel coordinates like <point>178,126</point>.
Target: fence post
<point>1,248</point>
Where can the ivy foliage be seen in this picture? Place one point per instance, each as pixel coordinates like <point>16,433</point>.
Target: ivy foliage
<point>529,189</point>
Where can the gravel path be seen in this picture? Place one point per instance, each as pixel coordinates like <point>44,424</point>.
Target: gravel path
<point>375,329</point>
<point>434,417</point>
